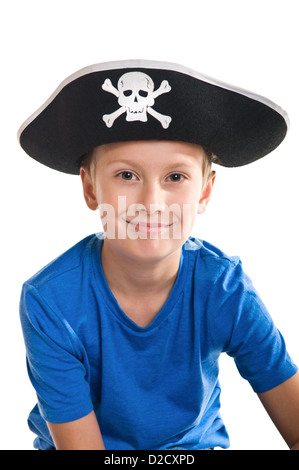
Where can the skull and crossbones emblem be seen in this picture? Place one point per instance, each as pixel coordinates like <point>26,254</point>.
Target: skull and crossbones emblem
<point>136,96</point>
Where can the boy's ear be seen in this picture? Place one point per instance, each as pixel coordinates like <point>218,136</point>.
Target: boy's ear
<point>206,194</point>
<point>88,189</point>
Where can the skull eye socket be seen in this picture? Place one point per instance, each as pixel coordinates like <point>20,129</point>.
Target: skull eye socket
<point>127,92</point>
<point>143,93</point>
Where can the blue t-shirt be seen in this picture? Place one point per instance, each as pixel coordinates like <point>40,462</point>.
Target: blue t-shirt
<point>151,387</point>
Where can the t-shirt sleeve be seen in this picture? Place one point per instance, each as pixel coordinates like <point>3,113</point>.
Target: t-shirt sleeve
<point>56,360</point>
<point>244,330</point>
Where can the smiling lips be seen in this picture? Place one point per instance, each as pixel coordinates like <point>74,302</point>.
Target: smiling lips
<point>148,228</point>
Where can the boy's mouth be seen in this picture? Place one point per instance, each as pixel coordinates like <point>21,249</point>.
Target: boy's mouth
<point>148,227</point>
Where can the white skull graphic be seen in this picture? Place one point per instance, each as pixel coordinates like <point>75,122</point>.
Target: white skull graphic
<point>136,96</point>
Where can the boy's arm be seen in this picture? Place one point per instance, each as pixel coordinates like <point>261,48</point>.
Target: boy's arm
<point>81,434</point>
<point>282,405</point>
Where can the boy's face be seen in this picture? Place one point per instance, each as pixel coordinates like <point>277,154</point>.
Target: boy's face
<point>148,193</point>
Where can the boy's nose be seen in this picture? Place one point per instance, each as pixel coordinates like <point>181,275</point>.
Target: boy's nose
<point>152,197</point>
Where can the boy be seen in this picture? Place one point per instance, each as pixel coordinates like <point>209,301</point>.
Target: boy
<point>123,331</point>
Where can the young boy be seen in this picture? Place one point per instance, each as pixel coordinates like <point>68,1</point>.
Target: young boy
<point>123,331</point>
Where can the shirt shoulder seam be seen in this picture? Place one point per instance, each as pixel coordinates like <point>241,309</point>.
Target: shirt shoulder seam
<point>66,326</point>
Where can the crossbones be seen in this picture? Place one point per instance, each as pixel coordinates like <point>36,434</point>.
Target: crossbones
<point>136,96</point>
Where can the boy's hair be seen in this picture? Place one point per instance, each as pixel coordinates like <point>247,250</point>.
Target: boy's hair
<point>210,158</point>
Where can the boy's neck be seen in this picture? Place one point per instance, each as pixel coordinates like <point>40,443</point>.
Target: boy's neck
<point>129,276</point>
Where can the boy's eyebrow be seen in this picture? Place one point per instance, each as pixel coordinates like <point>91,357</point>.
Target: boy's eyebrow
<point>135,163</point>
<point>115,162</point>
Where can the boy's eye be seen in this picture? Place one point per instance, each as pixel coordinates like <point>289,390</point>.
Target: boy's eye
<point>127,175</point>
<point>176,177</point>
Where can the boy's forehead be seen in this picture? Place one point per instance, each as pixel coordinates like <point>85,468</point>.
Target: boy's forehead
<point>147,100</point>
<point>165,154</point>
<point>136,148</point>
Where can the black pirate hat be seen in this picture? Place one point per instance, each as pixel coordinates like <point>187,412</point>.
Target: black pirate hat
<point>148,100</point>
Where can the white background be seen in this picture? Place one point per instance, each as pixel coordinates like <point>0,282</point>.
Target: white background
<point>253,212</point>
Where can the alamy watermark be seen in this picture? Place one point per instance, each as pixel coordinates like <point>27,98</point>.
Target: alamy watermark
<point>136,221</point>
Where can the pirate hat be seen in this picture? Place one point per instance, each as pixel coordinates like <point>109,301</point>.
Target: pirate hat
<point>149,100</point>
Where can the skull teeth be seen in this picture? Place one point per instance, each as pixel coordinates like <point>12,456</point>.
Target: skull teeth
<point>135,111</point>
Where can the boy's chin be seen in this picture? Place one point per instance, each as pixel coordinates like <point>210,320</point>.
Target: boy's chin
<point>150,248</point>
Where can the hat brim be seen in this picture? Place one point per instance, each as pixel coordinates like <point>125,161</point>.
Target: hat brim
<point>238,126</point>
